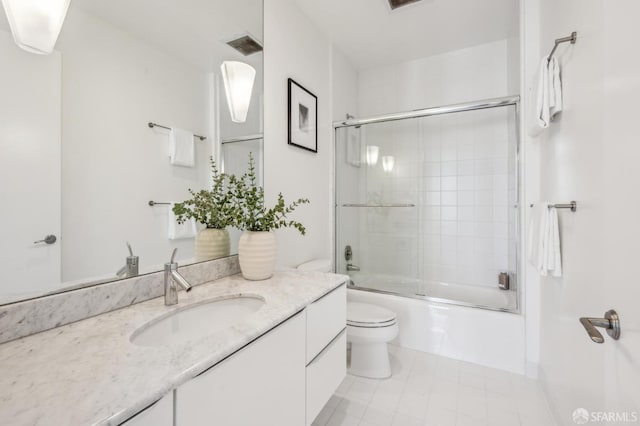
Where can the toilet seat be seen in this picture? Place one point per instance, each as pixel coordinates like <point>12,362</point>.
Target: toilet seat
<point>364,315</point>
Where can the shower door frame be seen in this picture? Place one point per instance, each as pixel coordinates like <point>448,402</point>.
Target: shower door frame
<point>506,101</point>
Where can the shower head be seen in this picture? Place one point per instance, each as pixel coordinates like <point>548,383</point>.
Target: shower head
<point>394,4</point>
<point>245,44</point>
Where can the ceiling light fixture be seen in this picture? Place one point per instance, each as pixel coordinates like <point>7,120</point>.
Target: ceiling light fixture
<point>36,24</point>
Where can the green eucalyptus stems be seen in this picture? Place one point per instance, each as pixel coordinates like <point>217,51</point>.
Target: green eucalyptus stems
<point>213,207</point>
<point>238,202</point>
<point>253,214</point>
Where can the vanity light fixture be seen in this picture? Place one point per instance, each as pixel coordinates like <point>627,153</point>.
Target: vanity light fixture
<point>388,162</point>
<point>36,24</point>
<point>372,155</point>
<point>238,84</point>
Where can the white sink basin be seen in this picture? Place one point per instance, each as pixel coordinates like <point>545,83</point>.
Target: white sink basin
<point>196,321</point>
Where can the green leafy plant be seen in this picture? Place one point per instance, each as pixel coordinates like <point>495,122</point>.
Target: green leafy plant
<point>213,207</point>
<point>252,214</point>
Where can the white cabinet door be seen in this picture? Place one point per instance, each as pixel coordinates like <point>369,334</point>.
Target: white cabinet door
<point>158,414</point>
<point>262,384</point>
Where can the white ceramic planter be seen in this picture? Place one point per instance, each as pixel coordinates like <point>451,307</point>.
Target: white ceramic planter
<point>257,255</point>
<point>212,244</point>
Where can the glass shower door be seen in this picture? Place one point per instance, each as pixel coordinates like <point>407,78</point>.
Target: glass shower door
<point>427,207</point>
<point>377,171</point>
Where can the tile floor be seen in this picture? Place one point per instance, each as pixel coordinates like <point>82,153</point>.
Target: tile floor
<point>429,390</point>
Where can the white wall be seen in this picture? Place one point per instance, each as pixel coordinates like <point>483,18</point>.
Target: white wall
<point>295,49</point>
<point>344,84</point>
<point>464,75</point>
<point>590,155</point>
<point>112,163</point>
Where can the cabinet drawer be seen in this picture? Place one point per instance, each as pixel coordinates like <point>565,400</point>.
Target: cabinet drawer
<point>325,319</point>
<point>324,375</point>
<point>262,384</point>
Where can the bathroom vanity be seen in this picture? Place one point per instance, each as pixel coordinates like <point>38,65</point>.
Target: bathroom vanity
<point>278,364</point>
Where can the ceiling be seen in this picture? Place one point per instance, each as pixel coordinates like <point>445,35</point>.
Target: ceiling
<point>372,35</point>
<point>191,29</point>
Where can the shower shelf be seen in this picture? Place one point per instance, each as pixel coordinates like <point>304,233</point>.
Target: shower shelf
<point>378,205</point>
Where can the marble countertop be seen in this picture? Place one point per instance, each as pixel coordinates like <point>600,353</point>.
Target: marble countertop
<point>89,373</point>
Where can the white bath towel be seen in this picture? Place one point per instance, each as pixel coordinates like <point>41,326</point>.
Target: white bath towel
<point>548,95</point>
<point>177,231</point>
<point>544,240</point>
<point>182,148</point>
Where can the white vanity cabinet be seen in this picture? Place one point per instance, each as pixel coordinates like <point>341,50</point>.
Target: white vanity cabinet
<point>326,349</point>
<point>283,378</point>
<point>262,384</point>
<point>158,414</point>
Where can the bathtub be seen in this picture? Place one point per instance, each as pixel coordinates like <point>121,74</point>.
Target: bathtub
<point>456,329</point>
<point>460,294</point>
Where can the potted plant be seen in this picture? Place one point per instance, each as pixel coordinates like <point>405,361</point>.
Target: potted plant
<point>257,245</point>
<point>214,208</point>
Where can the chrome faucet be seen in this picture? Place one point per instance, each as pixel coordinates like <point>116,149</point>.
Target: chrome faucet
<point>171,278</point>
<point>130,269</point>
<point>352,268</point>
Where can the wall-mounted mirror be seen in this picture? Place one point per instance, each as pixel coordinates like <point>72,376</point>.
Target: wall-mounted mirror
<point>79,162</point>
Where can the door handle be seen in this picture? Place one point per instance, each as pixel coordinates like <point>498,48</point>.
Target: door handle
<point>610,322</point>
<point>49,239</point>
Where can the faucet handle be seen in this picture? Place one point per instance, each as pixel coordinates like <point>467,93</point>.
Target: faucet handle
<point>173,255</point>
<point>130,249</point>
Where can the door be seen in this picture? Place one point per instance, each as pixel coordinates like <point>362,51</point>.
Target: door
<point>620,287</point>
<point>30,123</point>
<point>591,154</point>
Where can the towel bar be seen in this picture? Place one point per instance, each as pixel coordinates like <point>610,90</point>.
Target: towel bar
<point>154,203</point>
<point>572,205</point>
<point>572,38</point>
<point>152,125</point>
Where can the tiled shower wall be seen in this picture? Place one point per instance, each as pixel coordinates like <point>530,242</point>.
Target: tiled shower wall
<point>464,198</point>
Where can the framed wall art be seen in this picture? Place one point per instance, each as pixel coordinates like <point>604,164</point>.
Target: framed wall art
<point>303,117</point>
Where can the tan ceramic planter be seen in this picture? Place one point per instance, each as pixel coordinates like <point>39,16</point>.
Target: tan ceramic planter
<point>257,255</point>
<point>212,244</point>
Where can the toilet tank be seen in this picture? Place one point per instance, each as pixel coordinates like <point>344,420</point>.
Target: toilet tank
<point>316,265</point>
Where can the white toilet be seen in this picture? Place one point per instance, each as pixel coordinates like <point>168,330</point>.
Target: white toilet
<point>369,329</point>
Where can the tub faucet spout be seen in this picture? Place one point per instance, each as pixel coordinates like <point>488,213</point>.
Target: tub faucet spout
<point>352,268</point>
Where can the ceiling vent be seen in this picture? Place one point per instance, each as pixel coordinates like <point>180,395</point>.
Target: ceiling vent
<point>395,4</point>
<point>246,45</point>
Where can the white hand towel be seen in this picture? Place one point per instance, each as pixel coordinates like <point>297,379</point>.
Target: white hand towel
<point>177,231</point>
<point>555,88</point>
<point>542,97</point>
<point>182,148</point>
<point>548,95</point>
<point>544,240</point>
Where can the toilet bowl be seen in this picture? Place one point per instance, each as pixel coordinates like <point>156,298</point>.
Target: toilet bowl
<point>369,329</point>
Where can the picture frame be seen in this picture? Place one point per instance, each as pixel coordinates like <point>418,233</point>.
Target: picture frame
<point>303,117</point>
